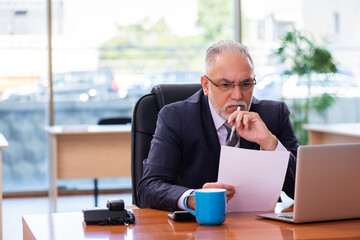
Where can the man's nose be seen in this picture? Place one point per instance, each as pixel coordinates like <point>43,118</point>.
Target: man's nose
<point>236,93</point>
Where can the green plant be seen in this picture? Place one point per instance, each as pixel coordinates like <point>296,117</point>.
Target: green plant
<point>303,58</point>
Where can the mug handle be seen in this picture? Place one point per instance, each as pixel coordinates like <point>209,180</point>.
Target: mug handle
<point>184,202</point>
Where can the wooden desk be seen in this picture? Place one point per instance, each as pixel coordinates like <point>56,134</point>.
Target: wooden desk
<point>154,224</point>
<point>333,133</point>
<point>3,144</point>
<point>97,151</point>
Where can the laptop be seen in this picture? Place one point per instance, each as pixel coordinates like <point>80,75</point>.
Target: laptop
<point>327,185</point>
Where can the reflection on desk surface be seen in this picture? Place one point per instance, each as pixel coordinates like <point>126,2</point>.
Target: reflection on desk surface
<point>340,229</point>
<point>155,224</point>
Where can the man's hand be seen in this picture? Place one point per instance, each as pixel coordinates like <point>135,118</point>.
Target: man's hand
<point>230,189</point>
<point>251,127</point>
<point>230,192</point>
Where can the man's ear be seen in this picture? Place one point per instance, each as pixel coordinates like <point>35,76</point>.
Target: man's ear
<point>205,85</point>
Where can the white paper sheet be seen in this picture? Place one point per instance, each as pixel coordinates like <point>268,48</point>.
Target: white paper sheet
<point>258,177</point>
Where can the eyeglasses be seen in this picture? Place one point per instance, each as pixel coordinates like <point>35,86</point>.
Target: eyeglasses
<point>245,85</point>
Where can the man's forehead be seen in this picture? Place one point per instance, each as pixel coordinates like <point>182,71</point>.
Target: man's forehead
<point>233,59</point>
<point>230,64</point>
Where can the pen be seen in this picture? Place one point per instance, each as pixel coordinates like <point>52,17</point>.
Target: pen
<point>233,127</point>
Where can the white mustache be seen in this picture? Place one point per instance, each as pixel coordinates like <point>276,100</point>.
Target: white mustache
<point>242,104</point>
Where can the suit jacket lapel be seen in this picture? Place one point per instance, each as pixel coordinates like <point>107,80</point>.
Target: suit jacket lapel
<point>209,128</point>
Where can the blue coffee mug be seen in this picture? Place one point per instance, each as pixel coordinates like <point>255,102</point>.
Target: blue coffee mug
<point>210,206</point>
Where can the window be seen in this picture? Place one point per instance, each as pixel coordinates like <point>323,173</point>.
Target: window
<point>330,24</point>
<point>106,54</point>
<point>22,116</point>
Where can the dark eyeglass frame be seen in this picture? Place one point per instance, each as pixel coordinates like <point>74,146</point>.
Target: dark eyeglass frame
<point>245,85</point>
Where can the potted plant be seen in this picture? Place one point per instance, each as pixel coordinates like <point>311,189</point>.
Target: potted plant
<point>304,60</point>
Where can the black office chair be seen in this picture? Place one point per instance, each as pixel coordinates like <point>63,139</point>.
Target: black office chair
<point>108,121</point>
<point>144,119</point>
<point>120,120</point>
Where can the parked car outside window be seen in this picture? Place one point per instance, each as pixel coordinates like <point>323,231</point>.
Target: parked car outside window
<point>82,86</point>
<point>275,86</point>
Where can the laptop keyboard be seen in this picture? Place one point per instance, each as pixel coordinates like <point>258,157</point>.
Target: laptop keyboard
<point>289,215</point>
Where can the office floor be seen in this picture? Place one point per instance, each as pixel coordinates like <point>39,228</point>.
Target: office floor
<point>14,208</point>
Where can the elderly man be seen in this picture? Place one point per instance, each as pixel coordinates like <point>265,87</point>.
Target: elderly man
<point>185,150</point>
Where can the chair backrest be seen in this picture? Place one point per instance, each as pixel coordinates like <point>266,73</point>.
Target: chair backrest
<point>120,120</point>
<point>145,114</point>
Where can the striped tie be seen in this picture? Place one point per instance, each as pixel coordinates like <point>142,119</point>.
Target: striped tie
<point>234,140</point>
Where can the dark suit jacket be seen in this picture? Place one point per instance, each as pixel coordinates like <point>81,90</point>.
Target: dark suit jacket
<point>185,150</point>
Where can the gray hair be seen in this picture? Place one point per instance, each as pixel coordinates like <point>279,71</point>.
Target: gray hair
<point>225,47</point>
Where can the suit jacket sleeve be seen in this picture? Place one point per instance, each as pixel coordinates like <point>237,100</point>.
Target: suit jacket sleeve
<point>157,188</point>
